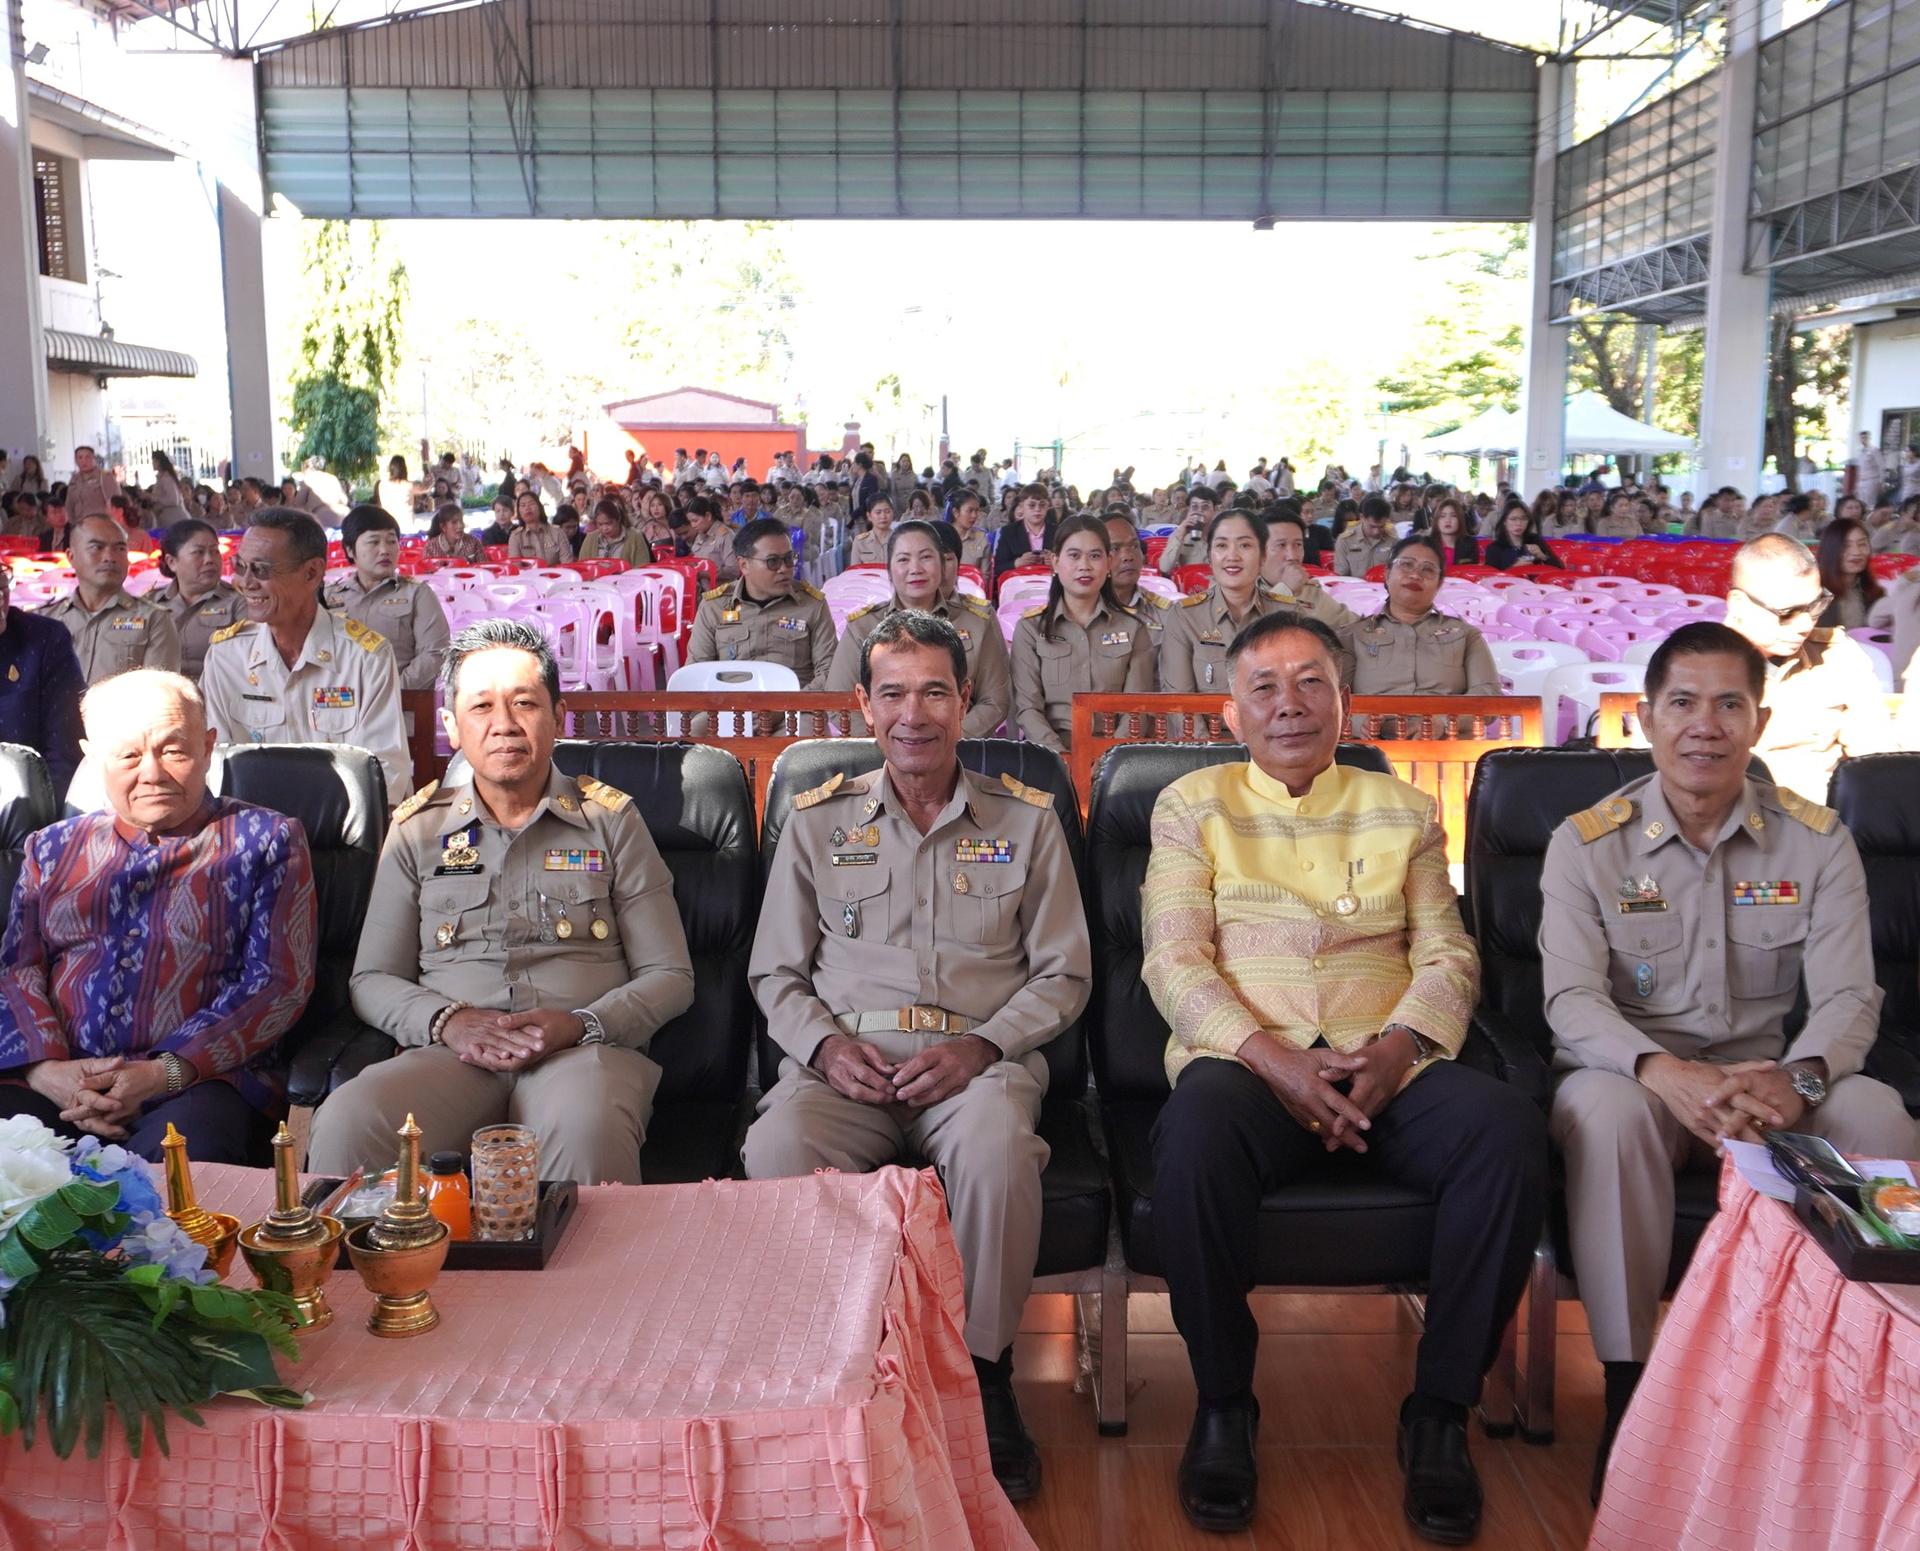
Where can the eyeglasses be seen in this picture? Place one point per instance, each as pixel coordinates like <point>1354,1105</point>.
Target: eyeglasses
<point>781,562</point>
<point>259,570</point>
<point>1413,570</point>
<point>1815,606</point>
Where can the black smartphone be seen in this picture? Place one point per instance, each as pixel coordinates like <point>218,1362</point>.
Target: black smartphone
<point>1813,1161</point>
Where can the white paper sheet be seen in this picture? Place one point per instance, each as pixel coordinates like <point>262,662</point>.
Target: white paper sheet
<point>1756,1168</point>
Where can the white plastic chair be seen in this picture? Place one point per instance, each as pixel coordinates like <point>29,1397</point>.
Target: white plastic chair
<point>1641,652</point>
<point>722,678</point>
<point>1570,697</point>
<point>1165,586</point>
<point>1524,665</point>
<point>1870,642</point>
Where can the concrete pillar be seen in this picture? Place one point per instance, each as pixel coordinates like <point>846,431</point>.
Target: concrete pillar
<point>243,286</point>
<point>23,380</point>
<point>1733,395</point>
<point>1543,389</point>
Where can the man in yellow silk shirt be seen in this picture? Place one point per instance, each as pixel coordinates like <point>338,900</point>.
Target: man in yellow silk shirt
<point>1303,943</point>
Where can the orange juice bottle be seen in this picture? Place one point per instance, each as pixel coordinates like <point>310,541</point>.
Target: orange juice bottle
<point>448,1196</point>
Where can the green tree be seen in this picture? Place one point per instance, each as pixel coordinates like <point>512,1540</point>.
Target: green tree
<point>1808,371</point>
<point>1466,357</point>
<point>349,347</point>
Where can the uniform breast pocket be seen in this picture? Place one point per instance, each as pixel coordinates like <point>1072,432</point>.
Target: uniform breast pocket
<point>1210,664</point>
<point>585,901</point>
<point>854,900</point>
<point>731,643</point>
<point>1647,966</point>
<point>452,916</point>
<point>330,718</point>
<point>1111,657</point>
<point>1765,944</point>
<point>262,713</point>
<point>989,912</point>
<point>1056,666</point>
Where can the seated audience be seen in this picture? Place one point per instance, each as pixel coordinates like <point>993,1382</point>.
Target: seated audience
<point>112,629</point>
<point>201,602</point>
<point>1410,647</point>
<point>40,687</point>
<point>448,538</point>
<point>403,609</point>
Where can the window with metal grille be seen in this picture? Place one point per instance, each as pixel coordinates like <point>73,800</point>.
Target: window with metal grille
<point>59,227</point>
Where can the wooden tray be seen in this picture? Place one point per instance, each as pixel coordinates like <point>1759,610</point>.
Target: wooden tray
<point>1855,1261</point>
<point>558,1198</point>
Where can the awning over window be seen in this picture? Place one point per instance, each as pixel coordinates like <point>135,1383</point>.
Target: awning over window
<point>100,357</point>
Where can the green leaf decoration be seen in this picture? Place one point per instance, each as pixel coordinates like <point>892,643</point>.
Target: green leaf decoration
<point>89,1198</point>
<point>51,1222</point>
<point>16,1260</point>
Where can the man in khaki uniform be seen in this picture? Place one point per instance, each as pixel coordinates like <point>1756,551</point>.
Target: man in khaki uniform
<point>1187,544</point>
<point>522,942</point>
<point>1284,570</point>
<point>765,616</point>
<point>921,939</point>
<point>1129,558</point>
<point>1824,697</point>
<point>398,607</point>
<point>1679,918</point>
<point>1409,648</point>
<point>1368,542</point>
<point>91,491</point>
<point>295,672</point>
<point>112,630</point>
<point>711,538</point>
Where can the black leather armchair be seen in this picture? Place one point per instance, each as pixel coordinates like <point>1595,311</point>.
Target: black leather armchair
<point>27,803</point>
<point>1519,798</point>
<point>1878,799</point>
<point>1074,1233</point>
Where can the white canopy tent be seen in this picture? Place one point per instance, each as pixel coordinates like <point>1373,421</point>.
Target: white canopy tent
<point>1595,426</point>
<point>1490,431</point>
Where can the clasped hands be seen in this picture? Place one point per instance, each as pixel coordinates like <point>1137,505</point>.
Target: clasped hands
<point>1741,1099</point>
<point>99,1094</point>
<point>509,1041</point>
<point>859,1071</point>
<point>1303,1081</point>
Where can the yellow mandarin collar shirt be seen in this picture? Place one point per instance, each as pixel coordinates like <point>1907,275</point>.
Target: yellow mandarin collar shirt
<point>1326,916</point>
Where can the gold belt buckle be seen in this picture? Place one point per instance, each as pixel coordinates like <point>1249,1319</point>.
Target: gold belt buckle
<point>924,1020</point>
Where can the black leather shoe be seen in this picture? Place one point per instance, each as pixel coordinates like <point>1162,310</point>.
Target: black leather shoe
<point>1443,1490</point>
<point>1016,1462</point>
<point>1218,1472</point>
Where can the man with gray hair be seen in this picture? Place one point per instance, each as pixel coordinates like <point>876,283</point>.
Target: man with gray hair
<point>522,944</point>
<point>1823,697</point>
<point>156,951</point>
<point>294,672</point>
<point>921,938</point>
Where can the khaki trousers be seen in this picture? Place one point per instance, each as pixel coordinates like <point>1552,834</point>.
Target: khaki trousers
<point>1622,1146</point>
<point>588,1105</point>
<point>981,1141</point>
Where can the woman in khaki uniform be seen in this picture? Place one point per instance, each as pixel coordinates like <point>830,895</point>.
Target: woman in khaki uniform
<point>1079,640</point>
<point>198,600</point>
<point>870,548</point>
<point>537,539</point>
<point>611,537</point>
<point>403,611</point>
<point>1195,635</point>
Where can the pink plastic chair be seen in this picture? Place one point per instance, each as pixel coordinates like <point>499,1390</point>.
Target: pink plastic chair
<point>1525,616</point>
<point>1562,627</point>
<point>573,623</point>
<point>1649,613</point>
<point>1608,640</point>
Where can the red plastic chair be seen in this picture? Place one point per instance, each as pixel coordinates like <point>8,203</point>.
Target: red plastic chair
<point>1193,578</point>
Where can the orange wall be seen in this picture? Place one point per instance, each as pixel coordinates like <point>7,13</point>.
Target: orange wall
<point>756,445</point>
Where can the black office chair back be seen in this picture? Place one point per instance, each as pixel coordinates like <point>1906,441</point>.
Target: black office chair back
<point>27,803</point>
<point>1128,1036</point>
<point>803,766</point>
<point>699,810</point>
<point>1878,799</point>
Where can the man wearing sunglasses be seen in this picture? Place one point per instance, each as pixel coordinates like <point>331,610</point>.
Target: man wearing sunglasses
<point>1823,695</point>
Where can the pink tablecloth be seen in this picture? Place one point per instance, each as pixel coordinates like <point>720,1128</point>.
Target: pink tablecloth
<point>701,1366</point>
<point>1781,1408</point>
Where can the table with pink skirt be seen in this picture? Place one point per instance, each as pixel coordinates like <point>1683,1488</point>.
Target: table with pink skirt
<point>1781,1407</point>
<point>775,1364</point>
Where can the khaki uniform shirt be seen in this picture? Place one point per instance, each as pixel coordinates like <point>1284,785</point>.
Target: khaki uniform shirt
<point>868,548</point>
<point>91,494</point>
<point>1440,655</point>
<point>1151,608</point>
<point>795,631</point>
<point>976,550</point>
<point>1716,524</point>
<point>1826,702</point>
<point>717,546</point>
<point>1115,653</point>
<point>986,658</point>
<point>407,613</point>
<point>1648,946</point>
<point>128,632</point>
<point>343,688</point>
<point>1316,602</point>
<point>464,910</point>
<point>539,541</point>
<point>199,622</point>
<point>981,916</point>
<point>1197,632</point>
<point>1617,527</point>
<point>1179,550</point>
<point>1354,554</point>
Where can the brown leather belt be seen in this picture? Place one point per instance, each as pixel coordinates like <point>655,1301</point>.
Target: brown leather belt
<point>905,1020</point>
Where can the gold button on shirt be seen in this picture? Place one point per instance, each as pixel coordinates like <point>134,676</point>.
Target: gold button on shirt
<point>795,631</point>
<point>1440,655</point>
<point>1327,916</point>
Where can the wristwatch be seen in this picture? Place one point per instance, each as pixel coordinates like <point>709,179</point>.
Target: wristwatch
<point>1424,1049</point>
<point>1810,1085</point>
<point>176,1071</point>
<point>596,1030</point>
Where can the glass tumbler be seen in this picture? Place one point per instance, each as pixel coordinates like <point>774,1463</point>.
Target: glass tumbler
<point>506,1182</point>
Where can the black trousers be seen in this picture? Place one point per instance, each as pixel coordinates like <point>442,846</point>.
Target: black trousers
<point>219,1125</point>
<point>1477,1146</point>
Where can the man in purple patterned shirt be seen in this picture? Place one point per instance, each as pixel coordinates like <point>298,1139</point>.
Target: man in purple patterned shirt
<point>157,951</point>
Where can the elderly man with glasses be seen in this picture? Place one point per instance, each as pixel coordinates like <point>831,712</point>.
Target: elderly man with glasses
<point>293,672</point>
<point>1824,697</point>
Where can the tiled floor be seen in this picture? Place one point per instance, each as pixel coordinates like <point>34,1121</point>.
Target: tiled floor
<point>1331,1376</point>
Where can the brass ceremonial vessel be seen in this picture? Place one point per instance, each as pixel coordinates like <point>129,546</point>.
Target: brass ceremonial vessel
<point>401,1251</point>
<point>293,1249</point>
<point>216,1232</point>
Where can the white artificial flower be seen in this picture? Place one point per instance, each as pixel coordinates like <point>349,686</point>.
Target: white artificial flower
<point>33,1164</point>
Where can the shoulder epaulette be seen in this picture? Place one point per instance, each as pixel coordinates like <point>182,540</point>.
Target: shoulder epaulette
<point>869,608</point>
<point>1193,599</point>
<point>810,590</point>
<point>715,592</point>
<point>413,804</point>
<point>968,600</point>
<point>1601,819</point>
<point>609,797</point>
<point>363,635</point>
<point>228,632</point>
<point>1818,819</point>
<point>1026,793</point>
<point>1157,600</point>
<point>1033,613</point>
<point>821,792</point>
